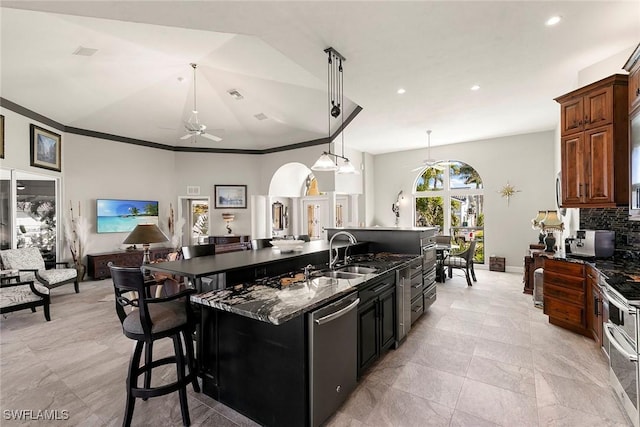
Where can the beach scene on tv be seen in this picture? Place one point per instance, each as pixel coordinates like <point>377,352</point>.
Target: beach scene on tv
<point>122,216</point>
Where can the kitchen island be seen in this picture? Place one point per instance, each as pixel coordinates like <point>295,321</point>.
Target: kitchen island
<point>255,338</point>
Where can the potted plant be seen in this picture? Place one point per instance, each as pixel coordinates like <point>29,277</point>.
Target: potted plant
<point>76,232</point>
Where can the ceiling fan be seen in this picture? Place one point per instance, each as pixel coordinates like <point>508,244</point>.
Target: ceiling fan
<point>429,162</point>
<point>193,126</point>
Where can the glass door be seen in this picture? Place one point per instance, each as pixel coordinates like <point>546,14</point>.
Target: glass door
<point>29,214</point>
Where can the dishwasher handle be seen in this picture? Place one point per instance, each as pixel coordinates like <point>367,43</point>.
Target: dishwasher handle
<point>339,313</point>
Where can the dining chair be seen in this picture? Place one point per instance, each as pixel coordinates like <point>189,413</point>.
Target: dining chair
<point>462,261</point>
<point>207,283</point>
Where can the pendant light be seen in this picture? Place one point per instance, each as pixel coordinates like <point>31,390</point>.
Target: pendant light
<point>328,161</point>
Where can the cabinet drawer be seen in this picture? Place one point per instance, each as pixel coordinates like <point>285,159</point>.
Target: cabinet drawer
<point>562,311</point>
<point>564,267</point>
<point>417,308</point>
<point>570,295</point>
<point>563,281</point>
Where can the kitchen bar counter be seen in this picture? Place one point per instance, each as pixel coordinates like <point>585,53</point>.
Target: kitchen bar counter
<point>270,304</point>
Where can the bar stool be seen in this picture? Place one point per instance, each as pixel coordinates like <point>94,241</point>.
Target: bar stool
<point>151,320</point>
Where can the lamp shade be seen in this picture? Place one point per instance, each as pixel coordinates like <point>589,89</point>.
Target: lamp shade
<point>552,222</point>
<point>324,163</point>
<point>228,217</point>
<point>347,168</point>
<point>535,222</point>
<point>145,234</point>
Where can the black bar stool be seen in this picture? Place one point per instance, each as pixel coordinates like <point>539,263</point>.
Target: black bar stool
<point>151,320</point>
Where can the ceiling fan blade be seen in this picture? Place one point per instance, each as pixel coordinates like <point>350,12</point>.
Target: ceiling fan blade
<point>211,137</point>
<point>187,136</point>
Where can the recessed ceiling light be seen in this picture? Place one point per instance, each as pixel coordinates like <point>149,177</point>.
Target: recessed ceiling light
<point>260,116</point>
<point>180,79</point>
<point>401,91</point>
<point>475,87</point>
<point>553,20</point>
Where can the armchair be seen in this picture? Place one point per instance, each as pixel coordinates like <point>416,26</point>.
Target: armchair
<point>30,264</point>
<point>20,295</point>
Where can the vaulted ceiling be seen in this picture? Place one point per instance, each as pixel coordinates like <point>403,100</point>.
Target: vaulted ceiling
<point>138,83</point>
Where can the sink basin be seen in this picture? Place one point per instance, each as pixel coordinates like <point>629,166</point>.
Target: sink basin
<point>358,269</point>
<point>339,274</point>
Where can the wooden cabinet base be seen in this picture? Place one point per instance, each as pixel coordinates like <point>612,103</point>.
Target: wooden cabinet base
<point>570,326</point>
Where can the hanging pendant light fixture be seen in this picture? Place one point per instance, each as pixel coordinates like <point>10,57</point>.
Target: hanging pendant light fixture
<point>328,161</point>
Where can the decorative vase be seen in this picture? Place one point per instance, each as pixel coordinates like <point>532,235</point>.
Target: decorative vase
<point>81,270</point>
<point>550,241</point>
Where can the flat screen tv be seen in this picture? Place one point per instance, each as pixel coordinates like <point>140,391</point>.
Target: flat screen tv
<point>122,216</point>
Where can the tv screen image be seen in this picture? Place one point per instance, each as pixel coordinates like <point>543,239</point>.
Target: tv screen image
<point>122,216</point>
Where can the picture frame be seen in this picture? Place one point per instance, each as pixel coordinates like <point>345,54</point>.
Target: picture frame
<point>230,196</point>
<point>1,136</point>
<point>46,149</point>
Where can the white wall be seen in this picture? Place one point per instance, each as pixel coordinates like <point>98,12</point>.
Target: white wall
<point>524,161</point>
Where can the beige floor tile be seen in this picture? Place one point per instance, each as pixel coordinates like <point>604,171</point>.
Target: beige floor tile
<point>498,405</point>
<point>561,416</point>
<point>431,384</point>
<point>408,410</point>
<point>504,375</point>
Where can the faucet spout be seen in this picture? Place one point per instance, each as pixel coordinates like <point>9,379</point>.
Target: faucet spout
<point>333,259</point>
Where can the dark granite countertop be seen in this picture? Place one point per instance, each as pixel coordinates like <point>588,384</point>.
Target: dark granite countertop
<point>276,306</point>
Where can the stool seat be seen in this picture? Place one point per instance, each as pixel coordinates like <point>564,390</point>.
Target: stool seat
<point>149,320</point>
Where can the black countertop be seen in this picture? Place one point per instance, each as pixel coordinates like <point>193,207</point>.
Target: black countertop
<point>270,304</point>
<point>230,261</point>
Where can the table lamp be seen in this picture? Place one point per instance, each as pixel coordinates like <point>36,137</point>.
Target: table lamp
<point>146,234</point>
<point>550,223</point>
<point>228,218</point>
<point>535,224</point>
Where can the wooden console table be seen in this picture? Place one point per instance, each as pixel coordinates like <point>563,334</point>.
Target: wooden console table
<point>97,263</point>
<point>230,243</point>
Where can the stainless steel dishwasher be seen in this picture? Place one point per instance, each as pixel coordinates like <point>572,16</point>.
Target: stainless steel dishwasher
<point>333,354</point>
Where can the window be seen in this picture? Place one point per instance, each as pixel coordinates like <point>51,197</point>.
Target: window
<point>449,195</point>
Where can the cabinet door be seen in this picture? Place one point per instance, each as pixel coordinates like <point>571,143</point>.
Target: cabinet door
<point>594,306</point>
<point>634,89</point>
<point>571,116</point>
<point>598,108</point>
<point>387,318</point>
<point>599,159</point>
<point>572,169</point>
<point>367,334</point>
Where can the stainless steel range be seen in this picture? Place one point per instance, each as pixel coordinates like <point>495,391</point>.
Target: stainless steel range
<point>621,331</point>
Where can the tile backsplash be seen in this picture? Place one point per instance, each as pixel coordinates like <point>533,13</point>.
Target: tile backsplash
<point>616,219</point>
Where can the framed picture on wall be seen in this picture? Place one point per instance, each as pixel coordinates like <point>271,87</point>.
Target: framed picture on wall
<point>46,149</point>
<point>1,136</point>
<point>230,196</point>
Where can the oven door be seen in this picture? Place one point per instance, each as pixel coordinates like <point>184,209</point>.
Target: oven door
<point>623,370</point>
<point>621,315</point>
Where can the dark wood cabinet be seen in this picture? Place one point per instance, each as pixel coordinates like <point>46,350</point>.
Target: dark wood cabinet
<point>230,243</point>
<point>594,144</point>
<point>376,320</point>
<point>594,305</point>
<point>97,267</point>
<point>533,261</point>
<point>633,67</point>
<point>565,295</point>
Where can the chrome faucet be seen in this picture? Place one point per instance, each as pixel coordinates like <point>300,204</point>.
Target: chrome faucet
<point>333,259</point>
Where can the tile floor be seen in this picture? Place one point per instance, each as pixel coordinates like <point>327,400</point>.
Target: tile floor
<point>481,356</point>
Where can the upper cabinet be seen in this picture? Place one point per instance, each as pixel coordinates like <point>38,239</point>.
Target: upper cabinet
<point>633,66</point>
<point>594,144</point>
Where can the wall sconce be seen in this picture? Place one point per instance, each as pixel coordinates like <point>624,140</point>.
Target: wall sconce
<point>228,218</point>
<point>395,207</point>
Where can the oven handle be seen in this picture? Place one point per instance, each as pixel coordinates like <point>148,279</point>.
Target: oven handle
<point>621,306</point>
<point>608,327</point>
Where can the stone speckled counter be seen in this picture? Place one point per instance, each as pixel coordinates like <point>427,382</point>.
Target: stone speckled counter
<point>276,306</point>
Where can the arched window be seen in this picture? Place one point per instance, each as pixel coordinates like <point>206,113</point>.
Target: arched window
<point>449,195</point>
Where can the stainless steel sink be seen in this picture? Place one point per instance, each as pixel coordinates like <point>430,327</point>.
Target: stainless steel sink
<point>339,274</point>
<point>358,269</point>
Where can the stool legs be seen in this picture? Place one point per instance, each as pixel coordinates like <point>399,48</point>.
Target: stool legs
<point>148,358</point>
<point>191,360</point>
<point>132,382</point>
<point>182,391</point>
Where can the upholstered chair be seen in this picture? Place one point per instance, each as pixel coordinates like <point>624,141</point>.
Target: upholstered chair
<point>30,264</point>
<point>463,261</point>
<point>16,296</point>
